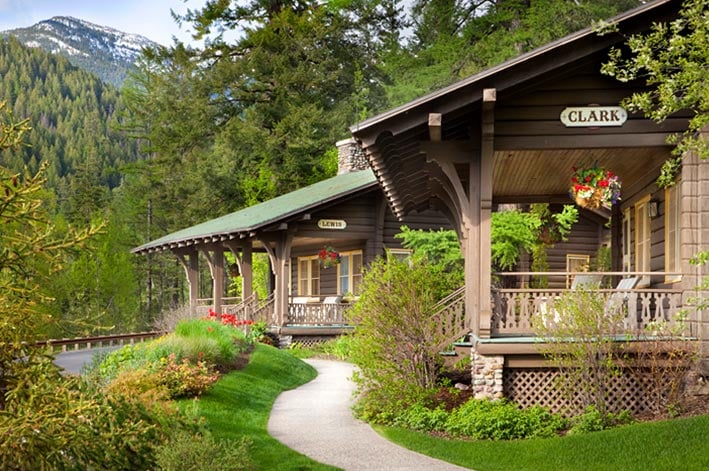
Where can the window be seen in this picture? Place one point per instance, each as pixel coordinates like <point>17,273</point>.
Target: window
<point>349,272</point>
<point>627,241</point>
<point>642,240</point>
<point>673,260</point>
<point>576,263</point>
<point>309,276</point>
<point>400,254</point>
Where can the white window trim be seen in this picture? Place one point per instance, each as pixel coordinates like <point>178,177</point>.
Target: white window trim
<point>673,218</point>
<point>310,278</point>
<point>349,274</point>
<point>586,259</point>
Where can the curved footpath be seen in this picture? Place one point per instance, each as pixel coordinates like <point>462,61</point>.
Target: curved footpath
<point>316,420</point>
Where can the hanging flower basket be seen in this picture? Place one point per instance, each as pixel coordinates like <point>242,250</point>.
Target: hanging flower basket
<point>329,257</point>
<point>594,187</point>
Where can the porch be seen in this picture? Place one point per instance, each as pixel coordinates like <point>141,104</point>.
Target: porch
<point>514,310</point>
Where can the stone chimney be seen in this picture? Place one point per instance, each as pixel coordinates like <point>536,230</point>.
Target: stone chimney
<point>350,157</point>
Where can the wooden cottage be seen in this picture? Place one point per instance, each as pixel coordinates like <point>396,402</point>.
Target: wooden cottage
<point>318,239</point>
<point>512,134</point>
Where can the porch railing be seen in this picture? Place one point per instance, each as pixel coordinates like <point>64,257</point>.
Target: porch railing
<point>514,309</point>
<point>317,311</point>
<point>449,316</point>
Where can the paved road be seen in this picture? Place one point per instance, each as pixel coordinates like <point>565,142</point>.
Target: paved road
<point>73,361</point>
<point>316,420</point>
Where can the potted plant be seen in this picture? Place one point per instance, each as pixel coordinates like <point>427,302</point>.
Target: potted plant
<point>329,257</point>
<point>594,187</point>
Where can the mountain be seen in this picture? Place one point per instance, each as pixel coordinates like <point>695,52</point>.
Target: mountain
<point>103,51</point>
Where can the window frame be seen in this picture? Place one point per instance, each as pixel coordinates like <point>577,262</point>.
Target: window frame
<point>350,275</point>
<point>308,277</point>
<point>586,259</point>
<point>643,240</point>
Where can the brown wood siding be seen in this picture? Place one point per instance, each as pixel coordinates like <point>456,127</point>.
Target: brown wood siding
<point>360,214</point>
<point>424,220</point>
<point>657,232</point>
<point>585,238</point>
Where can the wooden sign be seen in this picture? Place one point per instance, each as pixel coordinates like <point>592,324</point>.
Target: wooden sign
<point>332,224</point>
<point>593,116</point>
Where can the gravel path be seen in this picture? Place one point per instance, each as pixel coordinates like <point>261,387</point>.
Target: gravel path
<point>316,420</point>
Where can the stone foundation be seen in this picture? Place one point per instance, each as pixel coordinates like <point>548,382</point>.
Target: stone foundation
<point>487,376</point>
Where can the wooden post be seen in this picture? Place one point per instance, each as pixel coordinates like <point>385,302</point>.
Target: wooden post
<point>243,253</point>
<point>215,258</point>
<point>279,248</point>
<point>189,259</point>
<point>484,249</point>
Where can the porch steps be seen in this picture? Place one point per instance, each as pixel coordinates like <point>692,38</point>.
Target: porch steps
<point>460,351</point>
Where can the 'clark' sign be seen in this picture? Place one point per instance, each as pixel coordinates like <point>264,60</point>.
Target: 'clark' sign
<point>332,224</point>
<point>593,116</point>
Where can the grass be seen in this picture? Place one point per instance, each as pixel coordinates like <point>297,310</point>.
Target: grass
<point>239,405</point>
<point>666,445</point>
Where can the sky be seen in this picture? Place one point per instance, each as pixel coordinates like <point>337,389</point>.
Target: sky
<point>149,18</point>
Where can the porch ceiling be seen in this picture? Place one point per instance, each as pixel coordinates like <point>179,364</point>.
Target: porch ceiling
<point>544,175</point>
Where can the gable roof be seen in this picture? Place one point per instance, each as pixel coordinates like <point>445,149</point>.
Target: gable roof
<point>244,222</point>
<point>514,71</point>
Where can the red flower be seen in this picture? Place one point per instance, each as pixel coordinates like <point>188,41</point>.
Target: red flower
<point>587,179</point>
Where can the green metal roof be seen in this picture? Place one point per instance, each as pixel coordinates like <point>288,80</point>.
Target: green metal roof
<point>269,212</point>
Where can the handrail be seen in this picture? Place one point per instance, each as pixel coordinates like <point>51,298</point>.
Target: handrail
<point>100,340</point>
<point>443,302</point>
<point>572,273</point>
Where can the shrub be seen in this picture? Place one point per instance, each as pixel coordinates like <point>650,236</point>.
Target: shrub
<point>423,418</point>
<point>580,341</point>
<point>191,452</point>
<point>340,348</point>
<point>396,341</point>
<point>139,385</point>
<point>183,379</point>
<point>501,420</point>
<point>58,423</point>
<point>592,420</point>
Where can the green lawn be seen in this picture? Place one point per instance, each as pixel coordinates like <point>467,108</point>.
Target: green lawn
<point>681,444</point>
<point>239,405</point>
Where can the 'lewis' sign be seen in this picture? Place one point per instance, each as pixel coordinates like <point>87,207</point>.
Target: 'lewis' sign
<point>593,116</point>
<point>332,224</point>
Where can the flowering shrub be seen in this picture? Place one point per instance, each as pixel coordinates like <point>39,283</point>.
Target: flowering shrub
<point>329,257</point>
<point>594,187</point>
<point>228,319</point>
<point>185,379</point>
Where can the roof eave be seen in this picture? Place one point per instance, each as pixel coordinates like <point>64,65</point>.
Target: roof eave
<point>377,123</point>
<point>244,232</point>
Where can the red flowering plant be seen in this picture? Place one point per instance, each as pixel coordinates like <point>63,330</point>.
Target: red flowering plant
<point>329,257</point>
<point>228,319</point>
<point>594,187</point>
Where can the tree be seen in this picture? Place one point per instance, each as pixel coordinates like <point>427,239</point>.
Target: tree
<point>33,251</point>
<point>396,341</point>
<point>48,421</point>
<point>671,59</point>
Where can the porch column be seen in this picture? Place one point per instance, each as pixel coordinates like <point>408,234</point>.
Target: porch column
<point>189,259</point>
<point>694,233</point>
<point>484,252</point>
<point>278,248</point>
<point>243,255</point>
<point>215,258</point>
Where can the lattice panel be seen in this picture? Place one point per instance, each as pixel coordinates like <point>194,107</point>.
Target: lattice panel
<point>311,340</point>
<point>536,386</point>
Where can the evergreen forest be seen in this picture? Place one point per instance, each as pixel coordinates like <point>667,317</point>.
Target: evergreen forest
<point>197,132</point>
